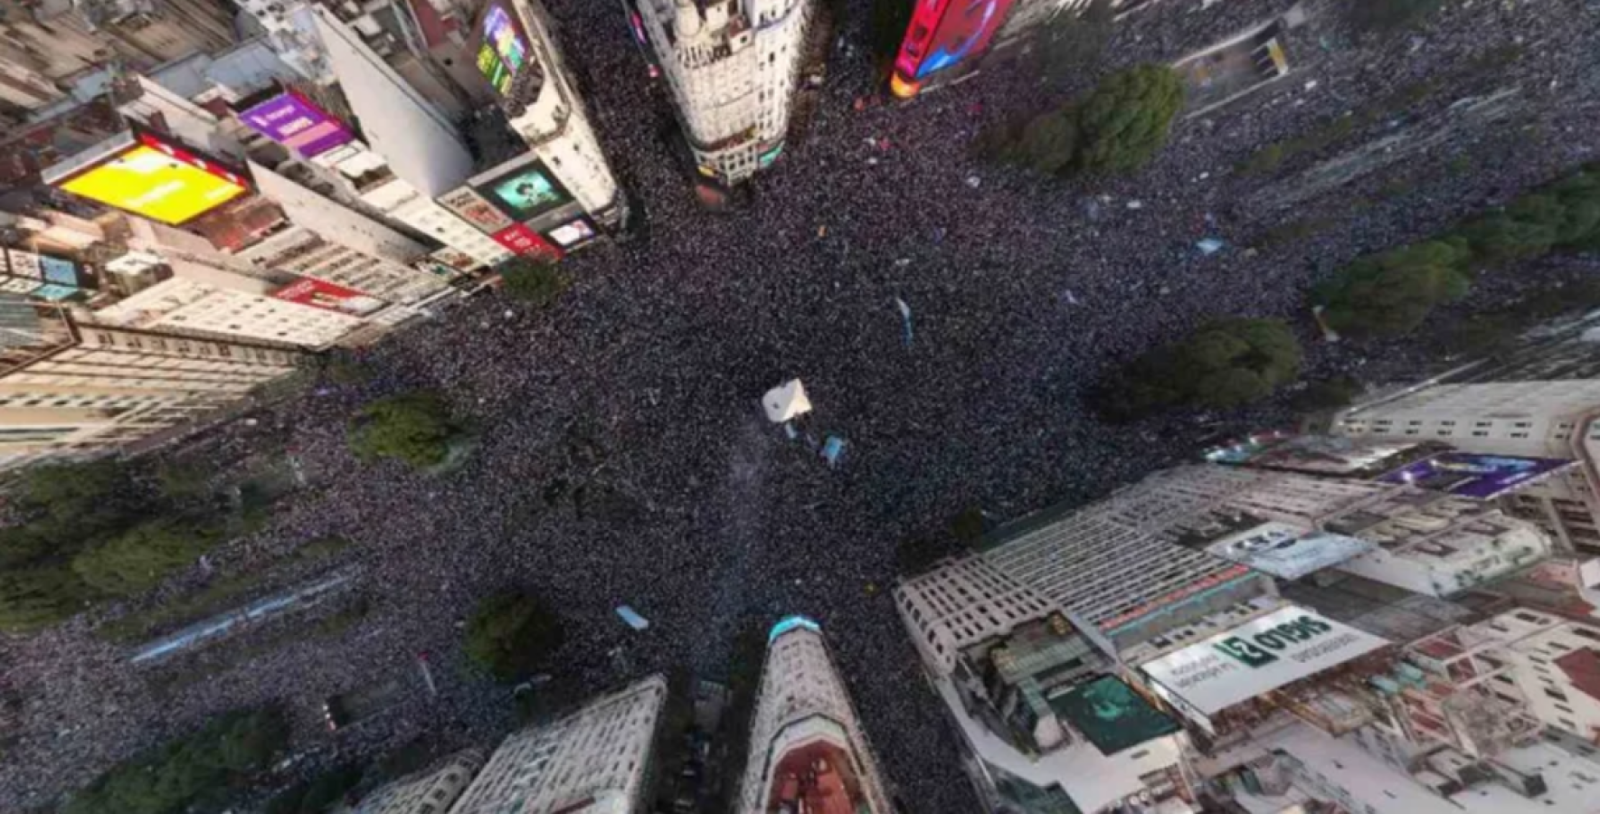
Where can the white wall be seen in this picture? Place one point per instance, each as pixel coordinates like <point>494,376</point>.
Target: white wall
<point>421,145</point>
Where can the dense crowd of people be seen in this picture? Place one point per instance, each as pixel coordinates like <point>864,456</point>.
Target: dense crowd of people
<point>623,458</point>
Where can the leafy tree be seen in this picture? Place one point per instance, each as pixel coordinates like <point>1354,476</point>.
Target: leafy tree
<point>538,284</point>
<point>81,498</point>
<point>1390,15</point>
<point>1119,128</point>
<point>176,777</point>
<point>35,597</point>
<point>1125,122</point>
<point>1327,394</point>
<point>320,795</point>
<point>1390,293</point>
<point>1223,365</point>
<point>413,427</point>
<point>511,634</point>
<point>140,559</point>
<point>1049,143</point>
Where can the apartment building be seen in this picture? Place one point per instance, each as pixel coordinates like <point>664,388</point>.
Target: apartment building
<point>733,67</point>
<point>1532,419</point>
<point>597,758</point>
<point>430,791</point>
<point>807,751</point>
<point>70,388</point>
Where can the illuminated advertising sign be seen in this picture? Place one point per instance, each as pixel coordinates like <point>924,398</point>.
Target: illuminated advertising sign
<point>525,192</point>
<point>1475,476</point>
<point>1322,454</point>
<point>1199,586</point>
<point>1262,655</point>
<point>943,34</point>
<point>504,50</point>
<point>521,240</point>
<point>156,179</point>
<point>569,235</point>
<point>297,123</point>
<point>58,271</point>
<point>329,297</point>
<point>767,158</point>
<point>56,293</point>
<point>475,210</point>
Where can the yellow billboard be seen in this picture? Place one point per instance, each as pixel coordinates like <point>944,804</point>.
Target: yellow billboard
<point>159,181</point>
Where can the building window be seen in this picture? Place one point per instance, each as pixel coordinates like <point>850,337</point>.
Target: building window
<point>1555,693</point>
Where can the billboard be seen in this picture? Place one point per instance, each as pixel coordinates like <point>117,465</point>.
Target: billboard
<point>58,271</point>
<point>24,264</point>
<point>298,123</point>
<point>1257,657</point>
<point>574,233</point>
<point>1287,552</point>
<point>503,50</point>
<point>520,239</point>
<point>329,297</point>
<point>943,34</point>
<point>525,192</point>
<point>158,179</point>
<point>1476,476</point>
<point>1323,454</point>
<point>474,209</point>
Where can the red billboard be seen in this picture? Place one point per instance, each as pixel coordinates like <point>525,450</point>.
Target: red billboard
<point>329,297</point>
<point>519,239</point>
<point>943,34</point>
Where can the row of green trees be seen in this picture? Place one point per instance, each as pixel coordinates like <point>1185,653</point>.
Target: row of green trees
<point>416,428</point>
<point>199,772</point>
<point>1119,127</point>
<point>87,531</point>
<point>1390,293</point>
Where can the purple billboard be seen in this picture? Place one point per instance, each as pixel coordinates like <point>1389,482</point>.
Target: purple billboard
<point>1476,476</point>
<point>297,123</point>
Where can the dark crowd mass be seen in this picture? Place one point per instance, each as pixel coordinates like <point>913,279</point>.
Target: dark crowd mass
<point>639,389</point>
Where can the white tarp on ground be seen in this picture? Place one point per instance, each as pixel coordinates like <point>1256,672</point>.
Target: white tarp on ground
<point>786,401</point>
<point>1268,652</point>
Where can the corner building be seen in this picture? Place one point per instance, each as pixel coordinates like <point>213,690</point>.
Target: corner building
<point>733,66</point>
<point>808,752</point>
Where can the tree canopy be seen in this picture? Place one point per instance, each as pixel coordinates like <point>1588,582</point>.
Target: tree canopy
<point>1118,128</point>
<point>511,634</point>
<point>1390,293</point>
<point>534,282</point>
<point>197,770</point>
<point>1224,364</point>
<point>139,559</point>
<point>416,428</point>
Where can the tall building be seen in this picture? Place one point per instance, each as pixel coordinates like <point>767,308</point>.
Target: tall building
<point>807,749</point>
<point>598,759</point>
<point>733,66</point>
<point>430,791</point>
<point>46,46</point>
<point>69,388</point>
<point>553,184</point>
<point>1557,420</point>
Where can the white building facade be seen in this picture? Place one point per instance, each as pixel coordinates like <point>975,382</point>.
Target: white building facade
<point>431,791</point>
<point>733,66</point>
<point>806,743</point>
<point>597,759</point>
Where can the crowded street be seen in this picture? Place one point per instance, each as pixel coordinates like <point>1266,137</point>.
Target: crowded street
<point>623,458</point>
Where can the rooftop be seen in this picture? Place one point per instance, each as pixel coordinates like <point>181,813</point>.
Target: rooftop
<point>1111,715</point>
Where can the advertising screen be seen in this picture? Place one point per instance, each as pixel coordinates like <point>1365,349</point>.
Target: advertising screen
<point>328,296</point>
<point>58,271</point>
<point>297,123</point>
<point>56,293</point>
<point>944,33</point>
<point>157,179</point>
<point>575,233</point>
<point>1322,454</point>
<point>504,50</point>
<point>525,192</point>
<point>1262,655</point>
<point>1287,552</point>
<point>475,210</point>
<point>1475,476</point>
<point>520,239</point>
